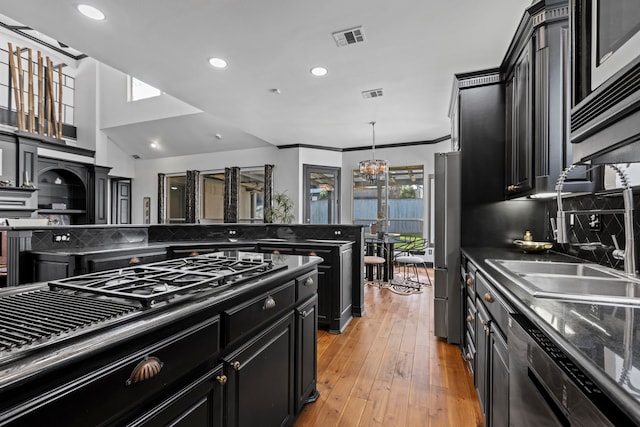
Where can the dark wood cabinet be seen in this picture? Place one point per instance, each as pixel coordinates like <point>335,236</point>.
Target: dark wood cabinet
<point>537,99</point>
<point>198,404</point>
<point>306,353</point>
<point>498,379</point>
<point>482,356</point>
<point>335,280</point>
<point>491,376</point>
<point>260,378</point>
<point>518,125</point>
<point>97,197</point>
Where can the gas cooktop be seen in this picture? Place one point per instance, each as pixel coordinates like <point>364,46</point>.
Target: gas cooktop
<point>162,280</point>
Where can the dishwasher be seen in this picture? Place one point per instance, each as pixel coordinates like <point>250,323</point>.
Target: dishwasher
<point>547,388</point>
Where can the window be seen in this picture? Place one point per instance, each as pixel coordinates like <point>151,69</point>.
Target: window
<point>251,197</point>
<point>140,90</point>
<point>176,196</point>
<point>406,200</point>
<point>212,197</point>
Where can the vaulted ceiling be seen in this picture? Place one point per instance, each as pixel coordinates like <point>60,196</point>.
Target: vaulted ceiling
<point>411,50</point>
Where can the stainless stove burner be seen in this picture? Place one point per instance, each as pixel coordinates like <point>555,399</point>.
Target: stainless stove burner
<point>162,280</point>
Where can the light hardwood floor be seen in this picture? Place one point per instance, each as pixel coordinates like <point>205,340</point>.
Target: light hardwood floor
<point>388,369</point>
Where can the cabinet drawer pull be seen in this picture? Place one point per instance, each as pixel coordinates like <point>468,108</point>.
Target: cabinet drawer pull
<point>134,260</point>
<point>194,253</point>
<point>309,281</point>
<point>149,367</point>
<point>488,297</point>
<point>269,303</point>
<point>222,379</point>
<point>468,356</point>
<point>236,365</point>
<point>470,281</point>
<point>469,318</point>
<point>513,187</point>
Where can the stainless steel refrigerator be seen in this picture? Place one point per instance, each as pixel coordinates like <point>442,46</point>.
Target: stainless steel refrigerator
<point>447,303</point>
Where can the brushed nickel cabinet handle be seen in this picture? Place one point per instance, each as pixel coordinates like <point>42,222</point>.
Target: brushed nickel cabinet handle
<point>149,367</point>
<point>309,281</point>
<point>488,297</point>
<point>134,260</point>
<point>236,365</point>
<point>194,253</point>
<point>470,281</point>
<point>222,379</point>
<point>269,303</point>
<point>513,187</point>
<point>469,318</point>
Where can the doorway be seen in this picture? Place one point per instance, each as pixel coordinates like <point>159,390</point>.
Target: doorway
<point>322,194</point>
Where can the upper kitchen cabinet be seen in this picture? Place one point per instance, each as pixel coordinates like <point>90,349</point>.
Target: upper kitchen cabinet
<point>536,72</point>
<point>605,118</point>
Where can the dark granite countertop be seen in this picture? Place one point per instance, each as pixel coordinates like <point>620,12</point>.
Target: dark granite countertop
<point>143,246</point>
<point>602,338</point>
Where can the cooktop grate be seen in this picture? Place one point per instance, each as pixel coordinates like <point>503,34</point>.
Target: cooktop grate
<point>162,280</point>
<point>31,316</point>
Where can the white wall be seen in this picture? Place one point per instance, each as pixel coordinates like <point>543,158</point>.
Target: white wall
<point>146,182</point>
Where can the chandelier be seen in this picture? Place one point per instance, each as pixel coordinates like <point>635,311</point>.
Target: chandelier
<point>373,169</point>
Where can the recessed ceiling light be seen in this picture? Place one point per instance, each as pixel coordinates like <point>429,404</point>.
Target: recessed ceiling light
<point>319,71</point>
<point>218,62</point>
<point>91,12</point>
<point>218,136</point>
<point>154,145</point>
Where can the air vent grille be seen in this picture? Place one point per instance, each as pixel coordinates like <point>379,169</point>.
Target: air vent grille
<point>135,156</point>
<point>373,93</point>
<point>350,36</point>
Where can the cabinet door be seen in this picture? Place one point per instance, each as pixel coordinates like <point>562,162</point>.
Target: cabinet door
<point>260,386</point>
<point>482,355</point>
<point>198,404</point>
<point>519,136</point>
<point>306,371</point>
<point>324,295</point>
<point>52,267</point>
<point>498,380</point>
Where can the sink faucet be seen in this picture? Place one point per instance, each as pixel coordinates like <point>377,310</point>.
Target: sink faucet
<point>628,255</point>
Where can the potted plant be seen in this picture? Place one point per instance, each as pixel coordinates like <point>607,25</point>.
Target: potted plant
<point>281,209</point>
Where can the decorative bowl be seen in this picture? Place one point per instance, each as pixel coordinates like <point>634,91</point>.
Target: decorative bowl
<point>530,246</point>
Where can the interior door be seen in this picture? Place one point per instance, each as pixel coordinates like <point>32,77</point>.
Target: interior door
<point>121,196</point>
<point>322,194</point>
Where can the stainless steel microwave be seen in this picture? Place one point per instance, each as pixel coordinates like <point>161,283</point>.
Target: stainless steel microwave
<point>615,37</point>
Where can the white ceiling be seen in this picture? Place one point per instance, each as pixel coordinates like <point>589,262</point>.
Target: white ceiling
<point>412,50</point>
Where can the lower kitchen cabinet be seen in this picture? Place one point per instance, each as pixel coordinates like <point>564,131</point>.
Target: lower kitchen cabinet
<point>260,378</point>
<point>335,280</point>
<point>498,379</point>
<point>491,376</point>
<point>306,353</point>
<point>199,404</point>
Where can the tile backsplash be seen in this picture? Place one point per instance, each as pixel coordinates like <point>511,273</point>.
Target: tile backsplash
<point>586,229</point>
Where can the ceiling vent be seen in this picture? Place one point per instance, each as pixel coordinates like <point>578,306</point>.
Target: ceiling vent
<point>135,156</point>
<point>350,36</point>
<point>373,93</point>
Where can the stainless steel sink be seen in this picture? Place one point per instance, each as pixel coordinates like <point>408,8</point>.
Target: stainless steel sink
<point>554,268</point>
<point>571,281</point>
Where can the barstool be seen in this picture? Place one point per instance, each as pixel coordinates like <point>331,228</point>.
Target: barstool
<point>376,262</point>
<point>411,259</point>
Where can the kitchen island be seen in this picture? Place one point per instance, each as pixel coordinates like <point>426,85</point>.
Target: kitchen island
<point>52,252</point>
<point>590,347</point>
<point>169,342</point>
